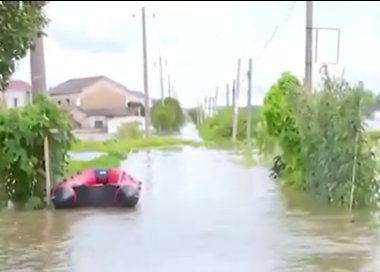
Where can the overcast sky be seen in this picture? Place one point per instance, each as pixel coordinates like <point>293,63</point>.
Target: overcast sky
<point>201,42</point>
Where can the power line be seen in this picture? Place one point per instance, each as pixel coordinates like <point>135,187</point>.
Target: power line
<point>275,32</point>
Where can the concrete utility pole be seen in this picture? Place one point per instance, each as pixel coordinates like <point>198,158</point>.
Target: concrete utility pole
<point>233,95</point>
<point>145,71</point>
<point>309,47</point>
<point>236,107</point>
<point>38,81</point>
<point>169,87</point>
<point>216,100</point>
<point>210,103</point>
<point>227,95</point>
<point>205,107</point>
<point>37,67</point>
<point>161,78</point>
<point>249,103</point>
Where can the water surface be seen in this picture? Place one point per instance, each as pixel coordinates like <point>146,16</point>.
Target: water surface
<point>200,210</point>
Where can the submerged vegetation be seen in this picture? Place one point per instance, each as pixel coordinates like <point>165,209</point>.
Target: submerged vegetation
<point>218,128</point>
<point>324,148</point>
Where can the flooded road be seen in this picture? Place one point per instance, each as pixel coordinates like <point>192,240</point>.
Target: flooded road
<point>202,211</point>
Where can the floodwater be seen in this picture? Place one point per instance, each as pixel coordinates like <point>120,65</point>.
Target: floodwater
<point>200,211</point>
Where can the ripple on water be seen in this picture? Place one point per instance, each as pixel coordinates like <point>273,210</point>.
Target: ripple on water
<point>200,211</point>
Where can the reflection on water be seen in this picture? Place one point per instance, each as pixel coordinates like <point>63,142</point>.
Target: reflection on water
<point>200,211</point>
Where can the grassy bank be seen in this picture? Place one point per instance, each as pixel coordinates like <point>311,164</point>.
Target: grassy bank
<point>128,145</point>
<point>108,160</point>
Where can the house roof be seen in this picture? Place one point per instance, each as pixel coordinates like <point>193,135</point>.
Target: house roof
<point>76,86</point>
<point>110,112</point>
<point>18,85</point>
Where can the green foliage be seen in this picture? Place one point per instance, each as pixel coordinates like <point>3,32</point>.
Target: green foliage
<point>218,128</point>
<point>20,23</point>
<point>167,115</point>
<point>109,160</point>
<point>22,134</point>
<point>323,142</point>
<point>129,131</point>
<point>374,136</point>
<point>194,112</point>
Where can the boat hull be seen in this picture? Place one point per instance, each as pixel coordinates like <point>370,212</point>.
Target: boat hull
<point>74,194</point>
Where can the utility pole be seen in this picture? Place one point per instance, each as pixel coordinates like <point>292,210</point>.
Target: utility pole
<point>227,95</point>
<point>233,95</point>
<point>210,103</point>
<point>38,81</point>
<point>169,86</point>
<point>249,103</point>
<point>309,47</point>
<point>205,107</point>
<point>216,100</point>
<point>145,71</point>
<point>236,107</point>
<point>161,78</point>
<point>37,67</point>
<point>198,111</point>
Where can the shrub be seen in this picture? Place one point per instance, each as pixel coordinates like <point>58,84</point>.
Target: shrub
<point>129,131</point>
<point>22,133</point>
<point>323,142</point>
<point>167,115</point>
<point>219,127</point>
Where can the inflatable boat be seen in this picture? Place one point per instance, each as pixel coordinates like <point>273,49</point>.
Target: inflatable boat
<point>97,188</point>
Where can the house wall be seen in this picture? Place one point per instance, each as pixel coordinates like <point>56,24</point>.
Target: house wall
<point>103,95</point>
<point>91,122</point>
<point>116,122</point>
<point>14,99</point>
<point>67,101</point>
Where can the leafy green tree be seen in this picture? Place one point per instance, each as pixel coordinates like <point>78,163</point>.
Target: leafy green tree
<point>20,23</point>
<point>167,116</point>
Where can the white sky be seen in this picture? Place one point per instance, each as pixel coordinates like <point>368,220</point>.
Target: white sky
<point>202,41</point>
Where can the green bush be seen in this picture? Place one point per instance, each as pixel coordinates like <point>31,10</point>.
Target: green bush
<point>22,133</point>
<point>374,136</point>
<point>218,128</point>
<point>324,146</point>
<point>129,131</point>
<point>194,112</point>
<point>167,115</point>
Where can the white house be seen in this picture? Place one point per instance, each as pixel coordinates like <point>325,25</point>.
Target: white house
<point>17,94</point>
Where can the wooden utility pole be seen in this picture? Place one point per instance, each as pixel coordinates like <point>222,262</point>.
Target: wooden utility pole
<point>236,107</point>
<point>309,47</point>
<point>145,71</point>
<point>227,95</point>
<point>38,81</point>
<point>249,103</point>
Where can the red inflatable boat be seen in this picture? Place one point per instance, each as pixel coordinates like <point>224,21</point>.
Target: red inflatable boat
<point>97,188</point>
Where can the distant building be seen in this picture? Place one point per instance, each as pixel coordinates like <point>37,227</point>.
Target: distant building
<point>95,102</point>
<point>17,94</point>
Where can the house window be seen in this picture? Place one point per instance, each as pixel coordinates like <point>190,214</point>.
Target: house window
<point>98,124</point>
<point>68,101</point>
<point>15,102</point>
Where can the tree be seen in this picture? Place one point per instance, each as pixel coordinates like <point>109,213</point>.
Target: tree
<point>167,115</point>
<point>20,23</point>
